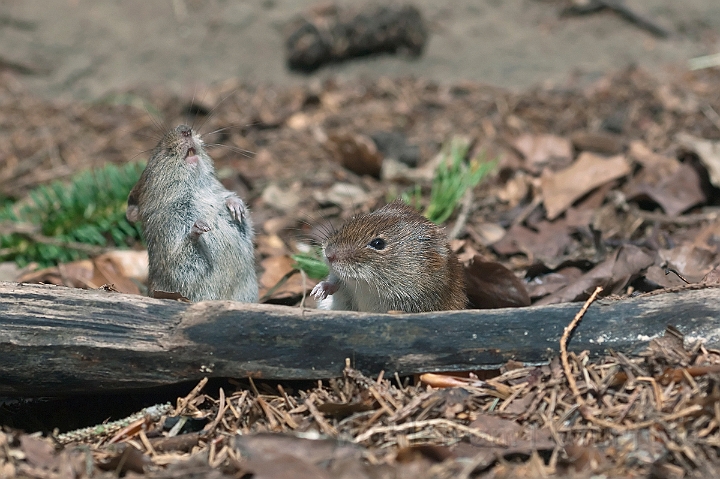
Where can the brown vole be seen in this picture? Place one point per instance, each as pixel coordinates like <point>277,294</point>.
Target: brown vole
<point>391,259</point>
<point>199,235</point>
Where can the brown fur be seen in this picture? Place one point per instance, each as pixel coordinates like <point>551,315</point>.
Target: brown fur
<point>416,271</point>
<point>199,235</point>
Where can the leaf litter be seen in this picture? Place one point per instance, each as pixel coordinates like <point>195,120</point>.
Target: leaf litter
<point>541,224</point>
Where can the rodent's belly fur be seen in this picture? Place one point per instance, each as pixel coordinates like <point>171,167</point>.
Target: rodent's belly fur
<point>359,296</point>
<point>217,265</point>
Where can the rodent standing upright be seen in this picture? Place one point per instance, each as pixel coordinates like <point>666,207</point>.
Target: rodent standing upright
<point>199,235</point>
<point>391,259</point>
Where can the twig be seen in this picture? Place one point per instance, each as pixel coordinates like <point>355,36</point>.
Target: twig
<point>183,402</point>
<point>537,199</point>
<point>711,115</point>
<point>222,407</point>
<point>706,61</point>
<point>278,285</point>
<point>619,7</point>
<point>303,275</point>
<point>429,422</point>
<point>463,215</point>
<point>324,425</point>
<point>676,220</point>
<point>102,430</point>
<point>674,271</point>
<point>31,232</point>
<point>563,346</point>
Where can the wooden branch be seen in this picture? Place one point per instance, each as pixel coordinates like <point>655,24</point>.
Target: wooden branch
<point>56,340</point>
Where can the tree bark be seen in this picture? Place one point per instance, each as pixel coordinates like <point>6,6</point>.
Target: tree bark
<point>56,340</point>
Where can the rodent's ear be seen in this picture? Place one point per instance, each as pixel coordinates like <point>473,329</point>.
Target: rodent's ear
<point>132,213</point>
<point>377,244</point>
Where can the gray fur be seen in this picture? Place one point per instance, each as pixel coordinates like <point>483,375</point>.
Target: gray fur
<point>172,196</point>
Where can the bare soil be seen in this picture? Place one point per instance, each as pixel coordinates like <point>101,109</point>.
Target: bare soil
<point>87,49</point>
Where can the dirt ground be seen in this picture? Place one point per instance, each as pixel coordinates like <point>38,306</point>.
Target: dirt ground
<point>86,49</point>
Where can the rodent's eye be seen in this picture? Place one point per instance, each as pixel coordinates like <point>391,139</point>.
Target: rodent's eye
<point>377,243</point>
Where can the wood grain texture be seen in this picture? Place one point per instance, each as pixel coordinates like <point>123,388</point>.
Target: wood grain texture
<point>56,340</point>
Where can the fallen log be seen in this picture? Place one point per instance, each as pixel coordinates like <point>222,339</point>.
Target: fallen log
<point>56,340</point>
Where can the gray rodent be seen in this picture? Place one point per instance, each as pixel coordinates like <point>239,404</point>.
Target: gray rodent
<point>391,259</point>
<point>199,235</point>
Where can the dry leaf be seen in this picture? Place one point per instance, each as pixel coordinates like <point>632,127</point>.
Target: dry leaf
<point>691,261</point>
<point>282,199</point>
<point>357,153</point>
<point>563,188</point>
<point>708,151</point>
<point>275,268</point>
<point>549,283</point>
<point>547,245</point>
<point>613,275</point>
<point>544,150</point>
<point>604,143</point>
<point>673,185</point>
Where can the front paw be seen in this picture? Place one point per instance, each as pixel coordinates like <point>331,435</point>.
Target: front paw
<point>199,228</point>
<point>323,289</point>
<point>236,207</point>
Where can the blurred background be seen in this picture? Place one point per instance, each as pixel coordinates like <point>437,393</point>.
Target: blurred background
<point>87,49</point>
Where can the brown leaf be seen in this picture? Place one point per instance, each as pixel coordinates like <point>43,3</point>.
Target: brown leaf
<point>713,277</point>
<point>708,151</point>
<point>546,245</point>
<point>38,452</point>
<point>123,458</point>
<point>269,446</point>
<point>345,409</point>
<point>613,275</point>
<point>583,458</point>
<point>181,442</point>
<point>549,283</point>
<point>516,189</point>
<point>693,262</point>
<point>605,143</point>
<point>283,466</point>
<point>357,153</point>
<point>431,452</point>
<point>673,185</point>
<point>115,267</point>
<point>119,268</point>
<point>275,269</point>
<point>658,275</point>
<point>563,188</point>
<point>521,439</point>
<point>641,153</point>
<point>491,285</point>
<point>282,198</point>
<point>174,295</point>
<point>270,245</point>
<point>544,150</point>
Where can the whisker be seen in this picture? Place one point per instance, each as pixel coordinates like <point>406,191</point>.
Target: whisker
<point>211,112</point>
<point>159,124</point>
<point>245,153</point>
<point>157,138</point>
<point>223,129</point>
<point>192,104</point>
<point>140,153</point>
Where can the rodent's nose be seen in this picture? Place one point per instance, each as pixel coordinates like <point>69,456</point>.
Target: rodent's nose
<point>330,254</point>
<point>184,130</point>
